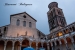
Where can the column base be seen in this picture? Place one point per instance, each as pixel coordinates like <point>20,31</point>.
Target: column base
<point>73,45</point>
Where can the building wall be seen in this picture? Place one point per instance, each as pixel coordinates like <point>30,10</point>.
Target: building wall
<point>13,29</point>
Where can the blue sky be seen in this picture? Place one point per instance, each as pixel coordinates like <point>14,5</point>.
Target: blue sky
<point>37,10</point>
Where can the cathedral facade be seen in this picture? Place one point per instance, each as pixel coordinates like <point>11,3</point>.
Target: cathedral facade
<point>22,32</point>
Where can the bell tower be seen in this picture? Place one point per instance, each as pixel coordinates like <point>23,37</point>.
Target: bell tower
<point>56,17</point>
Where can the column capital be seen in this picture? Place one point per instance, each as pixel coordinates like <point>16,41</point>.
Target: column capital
<point>30,43</point>
<point>48,44</point>
<point>36,44</point>
<point>72,40</point>
<point>13,42</point>
<point>55,43</point>
<point>65,41</point>
<point>60,42</point>
<point>5,42</point>
<point>20,43</point>
<point>51,44</point>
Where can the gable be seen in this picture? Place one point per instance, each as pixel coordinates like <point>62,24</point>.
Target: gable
<point>21,15</point>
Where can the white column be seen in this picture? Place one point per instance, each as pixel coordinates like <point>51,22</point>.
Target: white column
<point>66,44</point>
<point>72,40</point>
<point>36,46</point>
<point>51,45</point>
<point>30,43</point>
<point>55,45</point>
<point>20,45</point>
<point>73,43</point>
<point>5,45</point>
<point>60,45</point>
<point>48,46</point>
<point>42,44</point>
<point>13,46</point>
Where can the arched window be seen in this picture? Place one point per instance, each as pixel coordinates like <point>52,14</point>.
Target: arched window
<point>18,22</point>
<point>59,12</point>
<point>39,34</point>
<point>24,23</point>
<point>4,28</point>
<point>30,24</point>
<point>0,30</point>
<point>59,34</point>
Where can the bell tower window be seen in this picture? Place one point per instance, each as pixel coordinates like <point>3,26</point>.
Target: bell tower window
<point>59,13</point>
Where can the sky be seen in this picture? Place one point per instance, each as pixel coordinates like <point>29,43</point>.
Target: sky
<point>37,10</point>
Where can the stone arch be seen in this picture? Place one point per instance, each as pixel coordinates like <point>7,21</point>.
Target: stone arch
<point>2,45</point>
<point>73,28</point>
<point>68,39</point>
<point>66,31</point>
<point>57,42</point>
<point>63,43</point>
<point>39,45</point>
<point>17,45</point>
<point>69,43</point>
<point>25,43</point>
<point>45,45</point>
<point>9,45</point>
<point>33,44</point>
<point>74,39</point>
<point>53,45</point>
<point>58,47</point>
